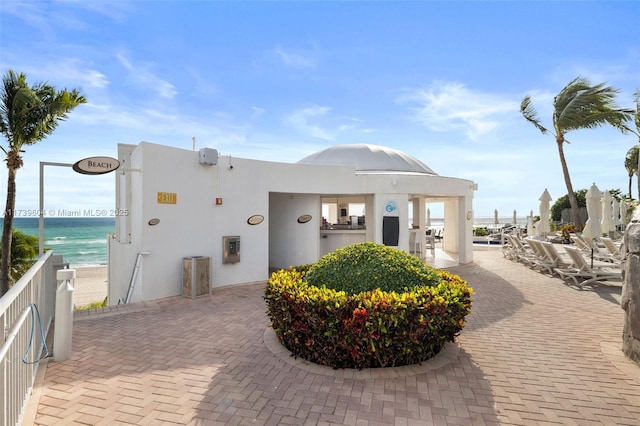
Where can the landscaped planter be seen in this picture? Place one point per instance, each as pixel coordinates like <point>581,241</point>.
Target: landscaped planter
<point>372,328</point>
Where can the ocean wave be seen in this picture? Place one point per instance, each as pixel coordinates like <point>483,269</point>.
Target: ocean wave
<point>102,241</point>
<point>86,265</point>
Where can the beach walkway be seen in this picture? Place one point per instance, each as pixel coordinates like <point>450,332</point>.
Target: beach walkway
<point>535,351</point>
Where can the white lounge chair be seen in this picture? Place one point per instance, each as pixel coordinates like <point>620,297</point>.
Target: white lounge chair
<point>521,253</point>
<point>581,273</point>
<point>540,258</point>
<point>508,249</point>
<point>590,248</point>
<point>559,261</point>
<point>611,246</point>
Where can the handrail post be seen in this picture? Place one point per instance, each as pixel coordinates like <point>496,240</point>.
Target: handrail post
<point>63,329</point>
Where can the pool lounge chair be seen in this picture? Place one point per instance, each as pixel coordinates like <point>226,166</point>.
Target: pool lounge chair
<point>559,261</point>
<point>589,247</point>
<point>508,249</point>
<point>540,258</point>
<point>581,273</point>
<point>613,249</point>
<point>520,252</point>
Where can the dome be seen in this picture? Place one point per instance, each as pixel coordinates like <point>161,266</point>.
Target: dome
<point>368,158</point>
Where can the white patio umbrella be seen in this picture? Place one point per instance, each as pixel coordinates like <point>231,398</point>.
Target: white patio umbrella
<point>515,220</point>
<point>495,217</point>
<point>606,219</point>
<point>624,208</point>
<point>530,225</point>
<point>616,213</point>
<point>543,225</point>
<point>428,218</point>
<point>592,228</point>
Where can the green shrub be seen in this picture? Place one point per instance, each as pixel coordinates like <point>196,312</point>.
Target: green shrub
<point>480,232</point>
<point>368,266</point>
<point>370,329</point>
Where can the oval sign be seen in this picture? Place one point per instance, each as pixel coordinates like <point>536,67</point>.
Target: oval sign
<point>304,218</point>
<point>154,221</point>
<point>96,165</point>
<point>256,219</point>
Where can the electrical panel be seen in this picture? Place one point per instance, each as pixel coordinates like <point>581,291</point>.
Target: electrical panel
<point>208,156</point>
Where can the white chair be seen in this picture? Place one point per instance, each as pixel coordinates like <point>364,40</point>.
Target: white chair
<point>415,246</point>
<point>430,244</point>
<point>614,250</point>
<point>581,270</point>
<point>540,257</point>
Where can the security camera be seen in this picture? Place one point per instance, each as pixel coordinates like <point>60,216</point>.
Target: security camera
<point>230,167</point>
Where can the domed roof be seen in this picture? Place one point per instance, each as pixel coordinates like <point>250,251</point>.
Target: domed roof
<point>368,158</point>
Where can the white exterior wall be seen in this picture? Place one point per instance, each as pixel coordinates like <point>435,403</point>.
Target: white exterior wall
<point>195,225</point>
<point>292,243</point>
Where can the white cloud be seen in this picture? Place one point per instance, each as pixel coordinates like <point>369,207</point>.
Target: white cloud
<point>140,74</point>
<point>257,112</point>
<point>117,11</point>
<point>301,120</point>
<point>72,69</point>
<point>318,121</point>
<point>447,106</point>
<point>294,58</point>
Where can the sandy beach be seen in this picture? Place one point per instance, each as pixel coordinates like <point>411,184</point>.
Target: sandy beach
<point>90,285</point>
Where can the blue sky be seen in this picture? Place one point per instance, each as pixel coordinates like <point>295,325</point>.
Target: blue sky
<point>277,81</point>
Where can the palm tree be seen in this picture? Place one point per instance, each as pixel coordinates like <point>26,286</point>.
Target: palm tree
<point>636,120</point>
<point>24,252</point>
<point>631,164</point>
<point>27,115</point>
<point>579,106</point>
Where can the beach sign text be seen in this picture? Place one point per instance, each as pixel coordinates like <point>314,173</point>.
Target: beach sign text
<point>96,165</point>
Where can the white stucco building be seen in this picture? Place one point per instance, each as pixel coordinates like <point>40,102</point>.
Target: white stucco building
<point>177,203</point>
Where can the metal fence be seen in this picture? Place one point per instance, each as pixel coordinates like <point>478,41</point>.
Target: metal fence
<point>26,313</point>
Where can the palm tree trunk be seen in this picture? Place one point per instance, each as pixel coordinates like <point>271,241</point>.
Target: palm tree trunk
<point>7,227</point>
<point>573,201</point>
<point>630,180</point>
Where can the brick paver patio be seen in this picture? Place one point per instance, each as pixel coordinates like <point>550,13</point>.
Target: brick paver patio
<point>535,351</point>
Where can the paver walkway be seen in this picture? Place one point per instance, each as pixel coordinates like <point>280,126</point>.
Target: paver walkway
<point>535,351</point>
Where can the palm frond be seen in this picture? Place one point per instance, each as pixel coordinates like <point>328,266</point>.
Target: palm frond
<point>631,160</point>
<point>530,114</point>
<point>636,95</point>
<point>30,114</point>
<point>582,106</point>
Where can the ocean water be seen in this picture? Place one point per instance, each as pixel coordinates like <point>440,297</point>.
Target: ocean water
<point>82,241</point>
<point>488,222</point>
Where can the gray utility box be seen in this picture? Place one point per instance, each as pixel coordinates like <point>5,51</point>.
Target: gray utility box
<point>196,279</point>
<point>231,249</point>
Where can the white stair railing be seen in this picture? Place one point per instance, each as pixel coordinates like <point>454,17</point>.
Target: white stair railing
<point>134,277</point>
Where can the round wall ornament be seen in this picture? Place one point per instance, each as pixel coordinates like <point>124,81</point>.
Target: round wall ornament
<point>256,219</point>
<point>304,218</point>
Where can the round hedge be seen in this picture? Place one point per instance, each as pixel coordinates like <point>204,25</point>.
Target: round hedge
<point>373,328</point>
<point>367,266</point>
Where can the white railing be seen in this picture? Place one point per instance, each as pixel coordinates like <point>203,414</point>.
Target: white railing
<point>21,336</point>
